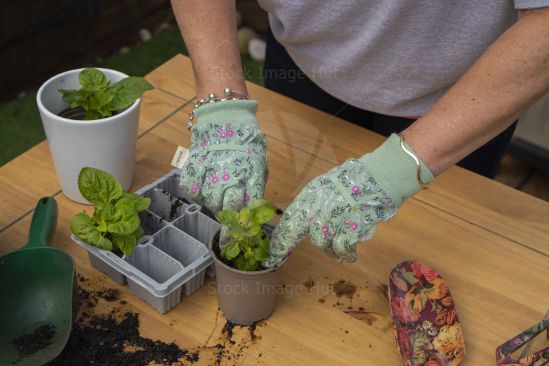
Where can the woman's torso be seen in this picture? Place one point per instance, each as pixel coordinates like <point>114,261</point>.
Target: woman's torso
<point>395,57</point>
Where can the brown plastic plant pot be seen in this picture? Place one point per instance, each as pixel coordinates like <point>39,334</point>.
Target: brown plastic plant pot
<point>246,297</point>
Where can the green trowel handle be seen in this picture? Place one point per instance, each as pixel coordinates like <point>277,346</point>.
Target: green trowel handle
<point>44,222</point>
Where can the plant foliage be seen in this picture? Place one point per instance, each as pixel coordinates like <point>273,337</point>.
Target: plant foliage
<point>99,98</point>
<point>115,221</point>
<point>247,245</point>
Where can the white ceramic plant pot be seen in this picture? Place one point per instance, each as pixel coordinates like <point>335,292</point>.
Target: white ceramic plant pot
<point>107,144</point>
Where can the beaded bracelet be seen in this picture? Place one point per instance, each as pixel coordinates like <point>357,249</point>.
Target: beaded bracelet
<point>212,98</point>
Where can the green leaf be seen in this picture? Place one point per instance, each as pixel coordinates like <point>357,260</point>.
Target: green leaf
<point>241,263</point>
<point>262,249</point>
<point>140,203</point>
<point>227,218</point>
<point>77,98</point>
<point>81,224</point>
<point>115,216</point>
<point>102,243</point>
<point>124,227</point>
<point>106,213</point>
<point>127,220</point>
<point>246,264</point>
<point>252,264</point>
<point>102,227</point>
<point>83,227</point>
<point>260,253</point>
<point>127,91</point>
<point>231,250</point>
<point>72,97</point>
<point>93,80</point>
<point>263,214</point>
<point>126,243</point>
<point>252,231</point>
<point>92,115</point>
<point>245,216</point>
<point>98,187</point>
<point>247,234</point>
<point>100,99</point>
<point>69,95</point>
<point>259,202</point>
<point>237,234</point>
<point>125,204</point>
<point>138,233</point>
<point>248,253</point>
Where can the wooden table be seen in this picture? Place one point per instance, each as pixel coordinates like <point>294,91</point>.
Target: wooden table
<point>490,242</point>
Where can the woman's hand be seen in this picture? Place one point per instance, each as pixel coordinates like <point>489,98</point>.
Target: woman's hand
<point>343,206</point>
<point>227,163</point>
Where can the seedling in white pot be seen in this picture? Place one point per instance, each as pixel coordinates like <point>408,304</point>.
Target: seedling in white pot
<point>90,117</point>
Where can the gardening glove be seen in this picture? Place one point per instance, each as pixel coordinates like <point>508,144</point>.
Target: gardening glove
<point>342,207</point>
<point>227,163</point>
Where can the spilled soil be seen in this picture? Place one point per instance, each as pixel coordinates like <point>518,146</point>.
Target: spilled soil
<point>309,284</point>
<point>346,292</point>
<point>30,343</point>
<point>365,316</point>
<point>108,294</point>
<point>113,338</point>
<point>234,341</point>
<point>344,288</point>
<point>107,341</point>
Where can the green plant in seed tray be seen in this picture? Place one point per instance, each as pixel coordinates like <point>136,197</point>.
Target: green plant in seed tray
<point>247,244</point>
<point>115,223</point>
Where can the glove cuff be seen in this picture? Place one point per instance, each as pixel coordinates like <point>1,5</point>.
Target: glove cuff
<point>236,111</point>
<point>395,171</point>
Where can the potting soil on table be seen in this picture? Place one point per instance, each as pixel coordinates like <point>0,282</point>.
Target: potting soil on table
<point>114,338</point>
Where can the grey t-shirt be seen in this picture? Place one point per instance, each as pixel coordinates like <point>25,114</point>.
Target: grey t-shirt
<point>395,57</point>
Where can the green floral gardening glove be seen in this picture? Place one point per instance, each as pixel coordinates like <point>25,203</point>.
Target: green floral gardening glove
<point>342,207</point>
<point>227,163</point>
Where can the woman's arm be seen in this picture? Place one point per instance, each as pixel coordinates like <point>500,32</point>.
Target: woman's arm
<point>507,79</point>
<point>209,31</point>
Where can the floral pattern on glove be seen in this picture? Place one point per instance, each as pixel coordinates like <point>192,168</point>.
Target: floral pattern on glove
<point>426,324</point>
<point>338,209</point>
<point>227,164</point>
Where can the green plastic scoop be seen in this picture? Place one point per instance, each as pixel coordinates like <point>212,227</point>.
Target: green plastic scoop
<point>36,290</point>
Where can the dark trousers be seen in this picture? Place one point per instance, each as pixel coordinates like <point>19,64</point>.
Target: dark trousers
<point>282,75</point>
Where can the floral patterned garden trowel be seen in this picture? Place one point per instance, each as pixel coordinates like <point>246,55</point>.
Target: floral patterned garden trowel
<point>523,342</point>
<point>426,324</point>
